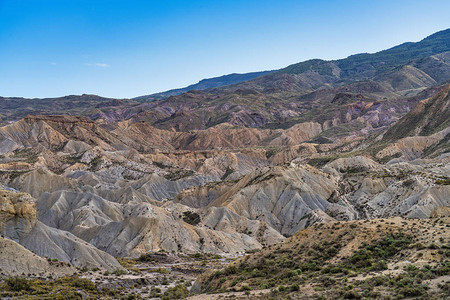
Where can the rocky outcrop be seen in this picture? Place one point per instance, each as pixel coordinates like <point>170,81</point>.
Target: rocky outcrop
<point>429,116</point>
<point>17,214</point>
<point>137,226</point>
<point>76,135</point>
<point>287,199</point>
<point>413,147</point>
<point>440,212</point>
<point>15,260</point>
<point>400,189</point>
<point>18,222</point>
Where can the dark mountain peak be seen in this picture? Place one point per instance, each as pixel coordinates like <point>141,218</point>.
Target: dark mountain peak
<point>315,64</point>
<point>205,84</point>
<point>362,66</point>
<point>443,34</point>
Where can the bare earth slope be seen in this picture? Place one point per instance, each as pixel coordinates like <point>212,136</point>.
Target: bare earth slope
<point>19,222</point>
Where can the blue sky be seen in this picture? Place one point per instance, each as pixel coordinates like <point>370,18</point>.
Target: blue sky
<point>126,48</point>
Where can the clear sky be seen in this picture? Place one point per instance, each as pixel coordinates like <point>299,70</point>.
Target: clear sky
<point>128,48</point>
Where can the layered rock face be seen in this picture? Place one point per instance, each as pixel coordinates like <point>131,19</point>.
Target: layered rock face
<point>15,260</point>
<point>19,223</point>
<point>130,218</point>
<point>396,189</point>
<point>139,223</point>
<point>73,135</point>
<point>17,214</point>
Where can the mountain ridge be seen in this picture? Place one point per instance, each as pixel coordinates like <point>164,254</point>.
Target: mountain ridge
<point>205,84</point>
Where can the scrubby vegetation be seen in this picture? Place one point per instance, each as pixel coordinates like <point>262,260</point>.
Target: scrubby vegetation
<point>27,154</point>
<point>18,284</point>
<point>71,159</point>
<point>176,292</point>
<point>72,287</point>
<point>95,163</point>
<point>443,181</point>
<point>178,174</point>
<point>192,218</point>
<point>205,256</point>
<point>331,271</point>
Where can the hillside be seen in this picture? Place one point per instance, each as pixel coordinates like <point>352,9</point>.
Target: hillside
<point>360,67</point>
<point>395,79</point>
<point>428,117</point>
<point>344,260</point>
<point>391,82</point>
<point>205,84</point>
<point>221,190</point>
<point>15,108</point>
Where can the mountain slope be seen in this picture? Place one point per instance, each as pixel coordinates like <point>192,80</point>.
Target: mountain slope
<point>429,116</point>
<point>15,260</point>
<point>364,65</point>
<point>205,84</point>
<point>380,258</point>
<point>15,108</point>
<point>306,91</point>
<point>312,73</point>
<point>18,222</point>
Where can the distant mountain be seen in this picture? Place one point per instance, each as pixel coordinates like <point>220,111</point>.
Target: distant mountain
<point>384,60</point>
<point>206,84</point>
<point>311,74</point>
<point>15,108</point>
<point>387,84</point>
<point>316,71</point>
<point>428,117</point>
<point>383,86</point>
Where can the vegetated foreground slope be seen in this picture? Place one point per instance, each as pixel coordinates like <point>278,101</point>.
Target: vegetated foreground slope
<point>377,258</point>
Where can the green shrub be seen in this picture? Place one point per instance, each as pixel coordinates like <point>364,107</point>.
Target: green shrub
<point>246,288</point>
<point>411,267</point>
<point>234,283</point>
<point>414,291</point>
<point>119,272</point>
<point>191,218</point>
<point>95,163</point>
<point>351,295</point>
<point>18,284</point>
<point>176,292</point>
<point>82,283</point>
